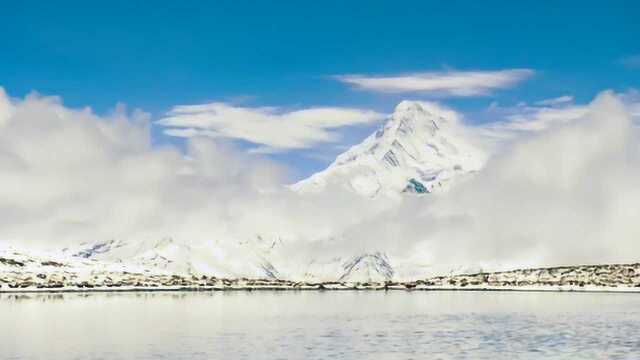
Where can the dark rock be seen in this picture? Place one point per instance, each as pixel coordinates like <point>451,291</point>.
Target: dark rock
<point>11,262</point>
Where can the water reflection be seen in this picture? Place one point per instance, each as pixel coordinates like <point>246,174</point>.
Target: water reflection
<point>315,325</point>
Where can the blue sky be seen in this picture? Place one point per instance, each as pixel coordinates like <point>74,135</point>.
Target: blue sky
<point>286,54</point>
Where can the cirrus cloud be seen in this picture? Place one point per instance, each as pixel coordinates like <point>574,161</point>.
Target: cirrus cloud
<point>269,127</point>
<point>448,83</point>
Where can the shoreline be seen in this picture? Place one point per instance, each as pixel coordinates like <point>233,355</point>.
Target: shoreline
<point>19,274</point>
<point>346,287</point>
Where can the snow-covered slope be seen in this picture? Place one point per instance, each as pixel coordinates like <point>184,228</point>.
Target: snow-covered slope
<point>253,259</point>
<point>419,149</point>
<point>242,259</point>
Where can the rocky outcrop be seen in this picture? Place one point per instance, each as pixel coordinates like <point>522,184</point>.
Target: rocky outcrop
<point>582,276</point>
<point>18,274</point>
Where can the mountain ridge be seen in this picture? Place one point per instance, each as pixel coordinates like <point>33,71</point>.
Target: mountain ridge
<point>419,149</point>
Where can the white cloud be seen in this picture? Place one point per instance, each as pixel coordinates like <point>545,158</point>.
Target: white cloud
<point>540,118</point>
<point>70,176</point>
<point>6,108</point>
<point>449,83</point>
<point>270,127</point>
<point>524,118</point>
<point>564,193</point>
<point>556,101</point>
<point>513,123</point>
<point>631,99</point>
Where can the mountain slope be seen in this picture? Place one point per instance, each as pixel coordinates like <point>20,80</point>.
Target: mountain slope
<point>170,256</point>
<point>250,259</point>
<point>419,150</point>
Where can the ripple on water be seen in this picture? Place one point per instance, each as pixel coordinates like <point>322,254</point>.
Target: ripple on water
<point>321,325</point>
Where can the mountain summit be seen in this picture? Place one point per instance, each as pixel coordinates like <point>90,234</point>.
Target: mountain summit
<point>420,149</point>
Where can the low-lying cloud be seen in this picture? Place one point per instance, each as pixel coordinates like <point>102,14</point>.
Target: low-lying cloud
<point>565,193</point>
<point>562,195</point>
<point>70,177</point>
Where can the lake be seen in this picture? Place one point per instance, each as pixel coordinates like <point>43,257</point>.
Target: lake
<point>320,325</point>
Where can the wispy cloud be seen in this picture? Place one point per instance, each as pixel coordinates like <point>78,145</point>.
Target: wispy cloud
<point>632,61</point>
<point>512,121</point>
<point>271,128</point>
<point>523,119</point>
<point>447,83</point>
<point>556,101</point>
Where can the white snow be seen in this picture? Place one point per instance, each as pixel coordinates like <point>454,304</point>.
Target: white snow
<point>419,149</point>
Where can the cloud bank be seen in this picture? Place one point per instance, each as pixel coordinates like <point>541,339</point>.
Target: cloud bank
<point>271,128</point>
<point>70,177</point>
<point>564,193</point>
<point>449,83</point>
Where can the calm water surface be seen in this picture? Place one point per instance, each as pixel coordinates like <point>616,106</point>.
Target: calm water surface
<point>320,325</point>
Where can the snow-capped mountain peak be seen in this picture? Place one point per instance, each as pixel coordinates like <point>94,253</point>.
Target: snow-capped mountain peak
<point>419,149</point>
